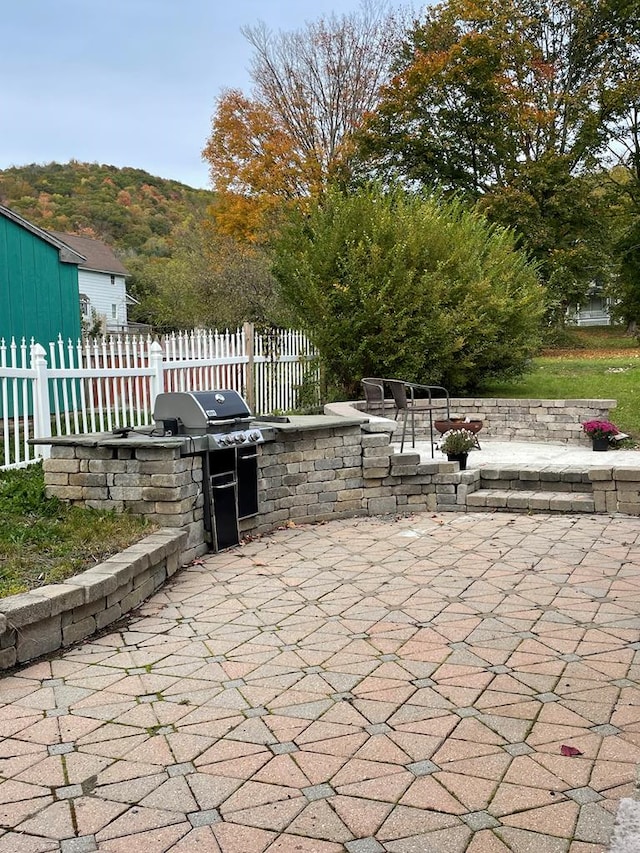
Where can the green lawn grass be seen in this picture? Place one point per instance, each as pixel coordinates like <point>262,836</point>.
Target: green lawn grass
<point>562,377</point>
<point>43,540</point>
<point>596,337</point>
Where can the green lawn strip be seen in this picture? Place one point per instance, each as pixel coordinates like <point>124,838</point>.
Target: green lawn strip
<point>43,540</point>
<point>595,337</point>
<point>612,339</point>
<point>557,378</point>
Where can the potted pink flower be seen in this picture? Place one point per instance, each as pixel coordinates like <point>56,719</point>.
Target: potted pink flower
<point>600,433</point>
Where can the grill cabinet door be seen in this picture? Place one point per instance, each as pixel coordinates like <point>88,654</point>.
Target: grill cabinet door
<point>221,499</point>
<point>247,481</point>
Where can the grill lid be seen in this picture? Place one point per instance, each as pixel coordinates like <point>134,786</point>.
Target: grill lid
<point>199,410</point>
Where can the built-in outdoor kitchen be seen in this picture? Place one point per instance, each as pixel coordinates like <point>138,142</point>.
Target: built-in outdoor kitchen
<point>209,467</point>
<point>212,469</point>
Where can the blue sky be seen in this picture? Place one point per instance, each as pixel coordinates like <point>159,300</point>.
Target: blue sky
<point>128,82</point>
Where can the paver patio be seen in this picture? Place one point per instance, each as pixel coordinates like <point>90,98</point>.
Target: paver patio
<point>402,685</point>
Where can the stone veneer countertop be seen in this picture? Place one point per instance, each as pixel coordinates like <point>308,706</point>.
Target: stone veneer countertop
<point>314,422</point>
<point>107,439</point>
<point>197,443</point>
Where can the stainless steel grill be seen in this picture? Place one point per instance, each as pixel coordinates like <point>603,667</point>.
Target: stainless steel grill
<point>229,465</point>
<point>220,414</point>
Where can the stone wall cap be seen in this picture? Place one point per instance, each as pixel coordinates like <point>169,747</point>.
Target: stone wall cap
<point>379,425</point>
<point>346,410</point>
<point>566,401</point>
<point>169,442</point>
<point>298,423</point>
<point>626,473</point>
<point>353,412</point>
<point>68,440</point>
<point>108,439</point>
<point>163,532</point>
<point>19,609</point>
<point>63,596</point>
<point>24,608</point>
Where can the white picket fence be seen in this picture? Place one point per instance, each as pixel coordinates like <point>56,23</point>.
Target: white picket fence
<point>102,384</point>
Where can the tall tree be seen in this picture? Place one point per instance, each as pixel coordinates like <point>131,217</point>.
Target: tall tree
<point>564,223</point>
<point>511,102</point>
<point>482,87</point>
<point>624,150</point>
<point>291,137</point>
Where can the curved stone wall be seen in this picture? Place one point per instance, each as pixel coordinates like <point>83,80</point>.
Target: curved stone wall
<point>36,623</point>
<point>558,421</point>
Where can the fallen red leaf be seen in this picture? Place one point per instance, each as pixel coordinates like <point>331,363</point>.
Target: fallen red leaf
<point>570,751</point>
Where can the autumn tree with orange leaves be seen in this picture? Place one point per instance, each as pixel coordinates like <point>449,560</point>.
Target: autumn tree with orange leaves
<point>286,141</point>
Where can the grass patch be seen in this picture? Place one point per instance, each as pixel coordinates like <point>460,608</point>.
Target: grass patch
<point>594,363</point>
<point>43,540</point>
<point>591,338</point>
<point>563,377</point>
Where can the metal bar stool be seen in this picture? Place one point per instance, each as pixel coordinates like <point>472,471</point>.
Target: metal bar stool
<point>373,394</point>
<point>404,397</point>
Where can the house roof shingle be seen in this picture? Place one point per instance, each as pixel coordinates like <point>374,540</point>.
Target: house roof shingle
<point>99,256</point>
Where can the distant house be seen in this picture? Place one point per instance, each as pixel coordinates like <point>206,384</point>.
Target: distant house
<point>101,282</point>
<point>594,311</point>
<point>39,295</point>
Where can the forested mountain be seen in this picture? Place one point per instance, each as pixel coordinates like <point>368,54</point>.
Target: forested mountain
<point>181,271</point>
<point>127,208</point>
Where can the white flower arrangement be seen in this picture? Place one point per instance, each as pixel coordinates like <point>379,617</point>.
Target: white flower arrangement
<point>457,441</point>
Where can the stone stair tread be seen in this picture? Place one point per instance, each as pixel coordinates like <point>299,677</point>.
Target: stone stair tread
<point>535,473</point>
<point>532,499</point>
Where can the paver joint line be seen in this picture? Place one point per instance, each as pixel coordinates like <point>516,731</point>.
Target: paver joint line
<point>393,684</point>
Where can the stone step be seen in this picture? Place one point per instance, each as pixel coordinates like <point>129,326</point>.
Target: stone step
<point>536,501</point>
<point>550,478</point>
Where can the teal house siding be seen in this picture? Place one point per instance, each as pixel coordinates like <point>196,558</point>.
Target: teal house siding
<point>39,295</point>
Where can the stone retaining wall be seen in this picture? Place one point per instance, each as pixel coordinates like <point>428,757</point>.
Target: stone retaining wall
<point>38,622</point>
<point>558,421</point>
<point>616,489</point>
<point>326,474</point>
<point>309,475</point>
<point>152,479</point>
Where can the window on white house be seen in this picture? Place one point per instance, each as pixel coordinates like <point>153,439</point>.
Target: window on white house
<point>85,305</point>
<point>113,279</point>
<point>114,311</point>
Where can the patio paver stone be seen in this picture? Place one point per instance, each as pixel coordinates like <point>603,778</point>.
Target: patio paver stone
<point>460,683</point>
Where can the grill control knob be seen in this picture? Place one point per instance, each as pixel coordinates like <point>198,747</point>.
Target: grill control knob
<point>239,438</point>
<point>255,436</point>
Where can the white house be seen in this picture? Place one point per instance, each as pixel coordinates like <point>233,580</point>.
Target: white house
<point>595,310</point>
<point>101,282</point>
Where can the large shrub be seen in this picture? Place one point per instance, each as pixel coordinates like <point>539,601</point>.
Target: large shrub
<point>412,287</point>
